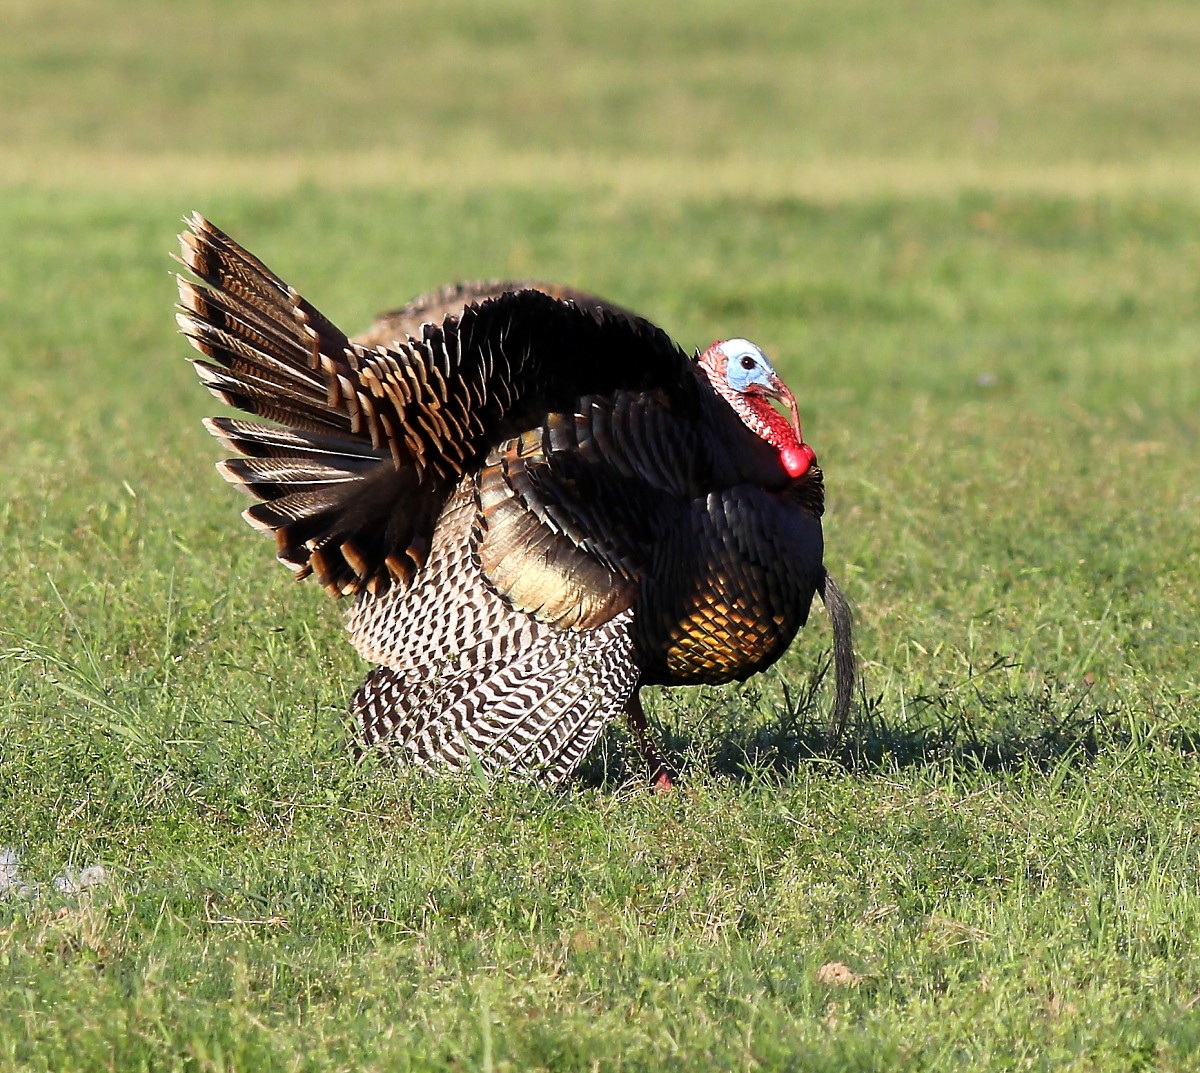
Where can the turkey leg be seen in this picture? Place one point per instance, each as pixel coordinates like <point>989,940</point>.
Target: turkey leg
<point>662,778</point>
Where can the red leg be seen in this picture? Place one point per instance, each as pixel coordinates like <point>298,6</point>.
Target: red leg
<point>662,778</point>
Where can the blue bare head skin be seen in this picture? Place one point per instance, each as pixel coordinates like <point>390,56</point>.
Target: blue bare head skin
<point>740,372</point>
<point>747,367</point>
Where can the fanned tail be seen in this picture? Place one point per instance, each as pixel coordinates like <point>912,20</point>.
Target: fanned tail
<point>845,667</point>
<point>328,487</point>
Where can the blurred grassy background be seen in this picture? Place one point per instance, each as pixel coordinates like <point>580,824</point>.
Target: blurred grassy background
<point>970,236</point>
<point>757,97</point>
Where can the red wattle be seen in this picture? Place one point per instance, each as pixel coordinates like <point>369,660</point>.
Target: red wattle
<point>796,460</point>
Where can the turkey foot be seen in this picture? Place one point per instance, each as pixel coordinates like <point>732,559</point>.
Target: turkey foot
<point>662,777</point>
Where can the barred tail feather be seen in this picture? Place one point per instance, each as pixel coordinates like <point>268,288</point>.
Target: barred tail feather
<point>269,441</point>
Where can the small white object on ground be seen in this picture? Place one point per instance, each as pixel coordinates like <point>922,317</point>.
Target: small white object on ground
<point>72,880</point>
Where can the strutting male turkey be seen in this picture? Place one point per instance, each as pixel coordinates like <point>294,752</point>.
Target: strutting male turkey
<point>538,502</point>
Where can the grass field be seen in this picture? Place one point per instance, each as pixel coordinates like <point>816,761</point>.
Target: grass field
<point>970,236</point>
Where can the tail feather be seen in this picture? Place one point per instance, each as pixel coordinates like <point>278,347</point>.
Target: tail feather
<point>269,441</point>
<point>293,508</point>
<point>271,478</point>
<point>271,353</point>
<point>275,402</point>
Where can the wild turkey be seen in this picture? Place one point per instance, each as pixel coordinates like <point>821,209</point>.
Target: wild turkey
<point>539,503</point>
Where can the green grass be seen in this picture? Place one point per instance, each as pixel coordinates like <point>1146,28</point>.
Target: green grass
<point>969,236</point>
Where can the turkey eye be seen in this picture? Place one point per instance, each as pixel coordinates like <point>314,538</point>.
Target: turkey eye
<point>748,362</point>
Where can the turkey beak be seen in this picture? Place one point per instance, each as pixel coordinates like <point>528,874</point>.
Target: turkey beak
<point>780,391</point>
<point>796,460</point>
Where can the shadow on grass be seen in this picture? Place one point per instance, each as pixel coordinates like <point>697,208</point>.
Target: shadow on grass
<point>978,725</point>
